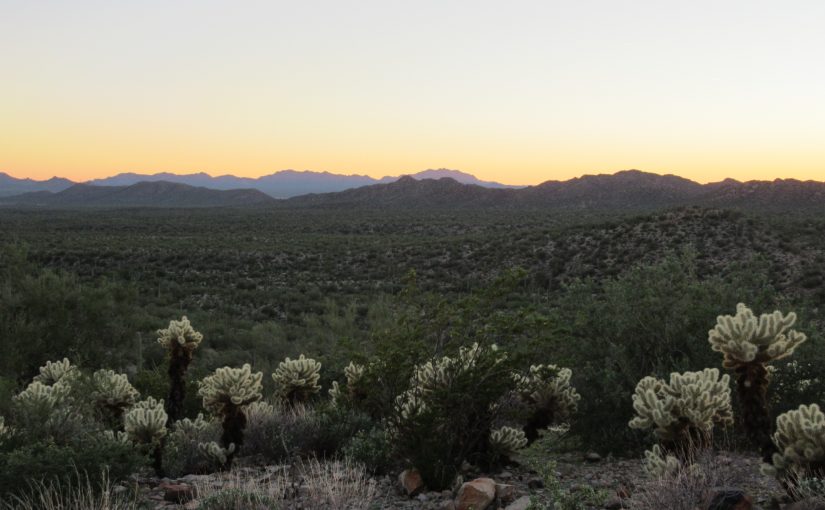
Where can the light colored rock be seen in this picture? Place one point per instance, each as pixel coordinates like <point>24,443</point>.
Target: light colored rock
<point>476,494</point>
<point>521,503</point>
<point>411,482</point>
<point>178,492</point>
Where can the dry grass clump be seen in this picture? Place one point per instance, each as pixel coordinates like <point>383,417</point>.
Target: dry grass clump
<point>321,485</point>
<point>82,493</point>
<point>688,486</point>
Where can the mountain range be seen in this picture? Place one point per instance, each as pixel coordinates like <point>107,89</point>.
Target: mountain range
<point>283,184</point>
<point>629,190</point>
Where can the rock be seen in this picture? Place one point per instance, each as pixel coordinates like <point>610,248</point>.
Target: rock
<point>522,503</point>
<point>411,482</point>
<point>178,492</point>
<point>806,504</point>
<point>476,494</point>
<point>505,493</point>
<point>592,457</point>
<point>535,483</point>
<point>447,505</point>
<point>727,498</point>
<point>505,475</point>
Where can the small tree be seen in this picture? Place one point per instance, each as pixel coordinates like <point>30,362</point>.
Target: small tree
<point>748,344</point>
<point>180,340</point>
<point>226,393</point>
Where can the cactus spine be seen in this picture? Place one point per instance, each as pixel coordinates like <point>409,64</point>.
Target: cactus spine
<point>682,411</point>
<point>297,379</point>
<point>546,390</point>
<point>180,340</point>
<point>226,393</point>
<point>748,344</point>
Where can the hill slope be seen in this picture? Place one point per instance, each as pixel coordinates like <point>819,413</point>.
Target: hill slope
<point>142,194</point>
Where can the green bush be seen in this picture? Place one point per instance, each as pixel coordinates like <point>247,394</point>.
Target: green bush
<point>371,448</point>
<point>446,415</point>
<point>46,461</point>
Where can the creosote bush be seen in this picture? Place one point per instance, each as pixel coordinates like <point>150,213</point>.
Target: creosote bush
<point>445,416</point>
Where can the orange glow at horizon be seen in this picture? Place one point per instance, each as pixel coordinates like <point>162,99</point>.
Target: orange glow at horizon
<point>519,94</point>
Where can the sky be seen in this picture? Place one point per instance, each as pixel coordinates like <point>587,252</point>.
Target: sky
<point>518,91</point>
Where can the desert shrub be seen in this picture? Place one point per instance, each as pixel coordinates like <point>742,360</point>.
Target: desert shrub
<point>337,484</point>
<point>372,449</point>
<point>651,320</point>
<point>42,460</point>
<point>446,414</point>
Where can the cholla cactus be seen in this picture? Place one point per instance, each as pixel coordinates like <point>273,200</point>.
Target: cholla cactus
<point>658,464</point>
<point>180,340</point>
<point>188,428</point>
<point>546,390</point>
<point>145,423</point>
<point>297,379</point>
<point>354,374</point>
<point>39,396</point>
<point>113,393</point>
<point>748,343</point>
<point>226,393</point>
<point>507,440</point>
<point>800,441</point>
<point>54,372</point>
<point>217,455</point>
<point>684,410</point>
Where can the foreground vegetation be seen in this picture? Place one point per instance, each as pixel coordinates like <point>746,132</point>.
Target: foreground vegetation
<point>366,338</point>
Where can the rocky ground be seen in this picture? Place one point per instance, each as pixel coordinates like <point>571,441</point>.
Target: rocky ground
<point>571,481</point>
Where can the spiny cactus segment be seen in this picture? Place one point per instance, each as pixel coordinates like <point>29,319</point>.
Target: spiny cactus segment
<point>145,423</point>
<point>54,372</point>
<point>113,393</point>
<point>354,373</point>
<point>296,380</point>
<point>507,440</point>
<point>800,441</point>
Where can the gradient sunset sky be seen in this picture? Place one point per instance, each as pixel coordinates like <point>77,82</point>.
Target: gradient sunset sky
<point>519,92</point>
